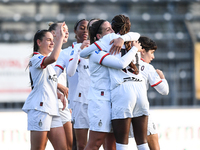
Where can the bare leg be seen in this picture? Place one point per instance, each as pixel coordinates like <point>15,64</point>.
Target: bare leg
<point>81,138</point>
<point>121,135</point>
<point>74,147</point>
<point>96,139</point>
<point>153,142</point>
<point>57,138</point>
<point>109,142</point>
<point>140,129</point>
<point>38,140</point>
<point>69,134</point>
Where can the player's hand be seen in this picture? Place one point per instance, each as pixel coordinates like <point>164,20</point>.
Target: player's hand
<point>160,73</point>
<point>63,100</point>
<point>137,45</point>
<point>117,45</point>
<point>60,32</point>
<point>85,44</point>
<point>63,89</point>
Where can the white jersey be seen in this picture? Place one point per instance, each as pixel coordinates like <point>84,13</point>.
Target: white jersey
<point>61,63</point>
<point>151,77</point>
<point>118,76</point>
<point>99,62</point>
<point>43,96</point>
<point>82,66</point>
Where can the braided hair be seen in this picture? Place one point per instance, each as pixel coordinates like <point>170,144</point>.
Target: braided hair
<point>122,25</point>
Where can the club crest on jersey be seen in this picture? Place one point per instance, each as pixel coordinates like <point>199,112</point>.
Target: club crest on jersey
<point>40,57</point>
<point>97,52</point>
<point>142,68</point>
<point>72,53</point>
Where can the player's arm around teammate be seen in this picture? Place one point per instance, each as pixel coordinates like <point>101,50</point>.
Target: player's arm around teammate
<point>98,58</point>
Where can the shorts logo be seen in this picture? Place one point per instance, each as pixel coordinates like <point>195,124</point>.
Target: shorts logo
<point>100,123</point>
<point>154,127</point>
<point>102,93</point>
<point>40,123</point>
<point>79,95</point>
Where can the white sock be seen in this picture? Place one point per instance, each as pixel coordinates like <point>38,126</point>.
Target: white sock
<point>121,146</point>
<point>143,147</point>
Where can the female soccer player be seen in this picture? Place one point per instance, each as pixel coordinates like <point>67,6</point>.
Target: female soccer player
<point>42,104</point>
<point>156,79</point>
<point>65,114</point>
<point>99,93</point>
<point>81,35</point>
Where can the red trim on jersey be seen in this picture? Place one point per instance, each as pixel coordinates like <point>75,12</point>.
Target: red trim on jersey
<point>72,45</point>
<point>71,59</point>
<point>59,67</point>
<point>35,53</point>
<point>41,65</point>
<point>103,58</point>
<point>142,59</point>
<point>98,46</point>
<point>156,83</point>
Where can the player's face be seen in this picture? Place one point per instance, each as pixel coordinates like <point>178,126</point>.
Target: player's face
<point>66,31</point>
<point>106,28</point>
<point>46,45</point>
<point>148,56</point>
<point>81,32</point>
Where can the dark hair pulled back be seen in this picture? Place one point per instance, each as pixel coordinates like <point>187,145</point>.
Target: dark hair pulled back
<point>95,29</point>
<point>38,35</point>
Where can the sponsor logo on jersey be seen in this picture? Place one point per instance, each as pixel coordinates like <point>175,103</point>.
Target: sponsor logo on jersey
<point>85,66</point>
<point>132,79</point>
<point>97,52</point>
<point>53,78</point>
<point>40,57</point>
<point>72,53</point>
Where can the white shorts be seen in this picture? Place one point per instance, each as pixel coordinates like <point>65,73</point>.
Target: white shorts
<point>65,114</point>
<point>80,115</point>
<point>151,128</point>
<point>99,112</point>
<point>41,121</point>
<point>129,100</point>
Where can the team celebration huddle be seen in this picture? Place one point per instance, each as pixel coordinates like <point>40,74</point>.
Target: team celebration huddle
<point>93,93</point>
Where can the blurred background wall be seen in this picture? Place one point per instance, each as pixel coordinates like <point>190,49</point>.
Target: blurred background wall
<point>173,24</point>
